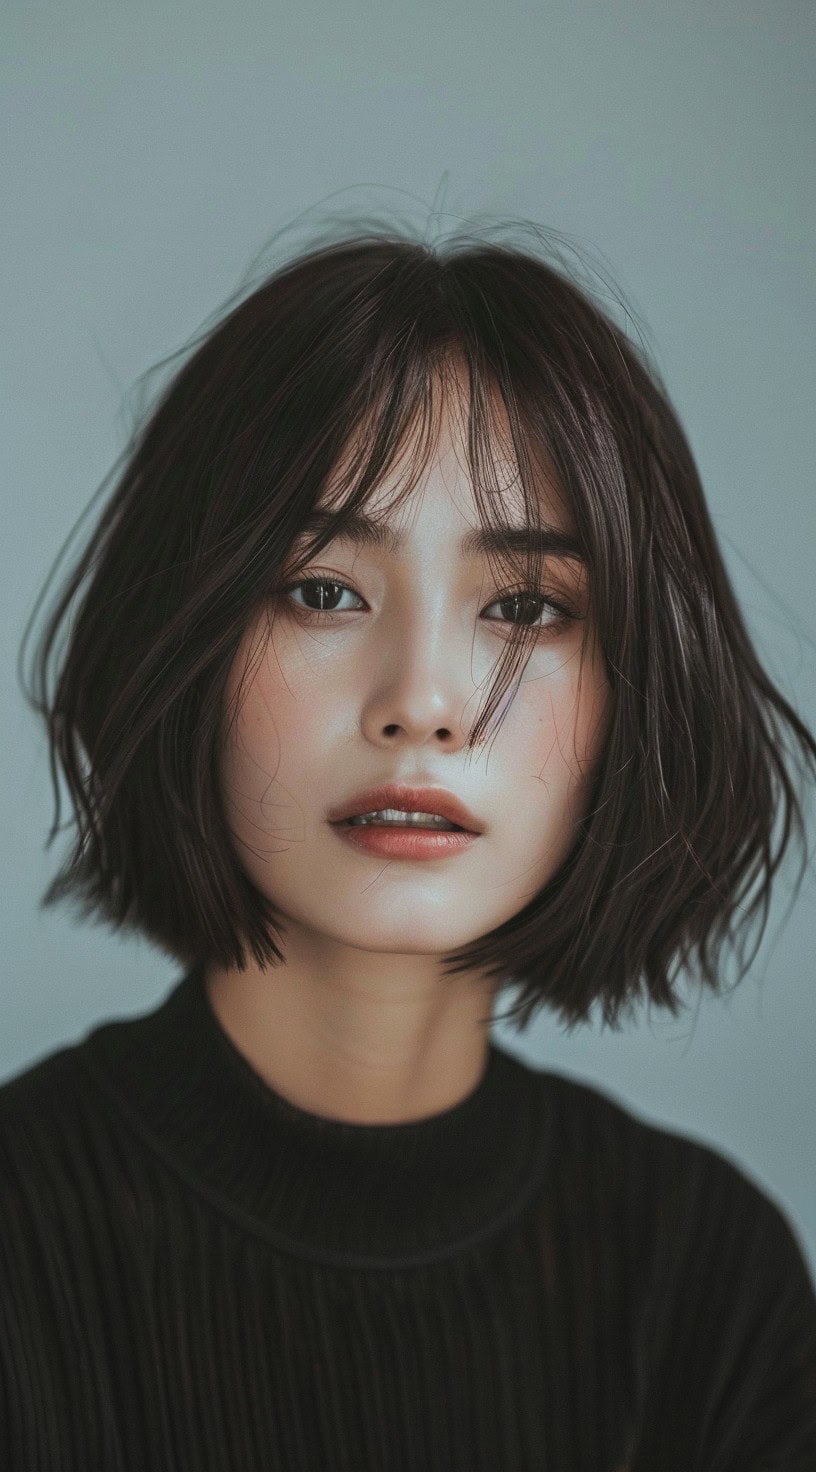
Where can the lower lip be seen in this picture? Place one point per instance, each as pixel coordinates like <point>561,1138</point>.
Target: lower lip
<point>404,843</point>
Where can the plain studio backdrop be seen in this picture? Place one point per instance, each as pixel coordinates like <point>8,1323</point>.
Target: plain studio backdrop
<point>150,152</point>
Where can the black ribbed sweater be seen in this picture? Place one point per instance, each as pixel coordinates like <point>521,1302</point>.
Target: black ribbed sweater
<point>198,1276</point>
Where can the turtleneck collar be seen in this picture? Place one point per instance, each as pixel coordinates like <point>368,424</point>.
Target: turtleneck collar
<point>374,1195</point>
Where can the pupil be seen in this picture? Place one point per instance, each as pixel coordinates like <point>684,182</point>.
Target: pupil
<point>317,590</point>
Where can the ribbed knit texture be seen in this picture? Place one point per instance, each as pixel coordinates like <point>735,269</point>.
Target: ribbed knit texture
<point>198,1276</point>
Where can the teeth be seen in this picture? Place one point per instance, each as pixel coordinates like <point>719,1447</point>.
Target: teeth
<point>398,817</point>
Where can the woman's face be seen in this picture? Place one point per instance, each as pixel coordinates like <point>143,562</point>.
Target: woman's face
<point>384,688</point>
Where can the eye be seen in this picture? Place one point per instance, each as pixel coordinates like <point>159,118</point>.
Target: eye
<point>526,605</point>
<point>530,603</point>
<point>316,587</point>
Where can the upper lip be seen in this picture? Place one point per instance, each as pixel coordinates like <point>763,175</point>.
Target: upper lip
<point>410,800</point>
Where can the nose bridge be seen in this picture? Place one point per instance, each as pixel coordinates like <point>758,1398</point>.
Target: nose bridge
<point>429,617</point>
<point>425,675</point>
<point>422,673</point>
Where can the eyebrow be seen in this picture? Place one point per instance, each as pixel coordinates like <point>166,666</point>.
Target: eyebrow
<point>363,532</point>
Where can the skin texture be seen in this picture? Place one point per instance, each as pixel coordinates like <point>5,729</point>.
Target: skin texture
<point>360,1024</point>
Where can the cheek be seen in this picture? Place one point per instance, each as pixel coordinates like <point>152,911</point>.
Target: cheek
<point>587,720</point>
<point>570,725</point>
<point>284,729</point>
<point>565,732</point>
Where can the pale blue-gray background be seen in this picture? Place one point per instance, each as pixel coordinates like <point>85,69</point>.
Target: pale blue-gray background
<point>150,151</point>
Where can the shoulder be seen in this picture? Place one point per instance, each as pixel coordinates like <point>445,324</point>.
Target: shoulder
<point>35,1092</point>
<point>699,1198</point>
<point>605,1122</point>
<point>52,1118</point>
<point>722,1295</point>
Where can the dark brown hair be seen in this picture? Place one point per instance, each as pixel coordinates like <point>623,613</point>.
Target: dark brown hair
<point>214,486</point>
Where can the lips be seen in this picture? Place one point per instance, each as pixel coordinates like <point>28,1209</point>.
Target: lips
<point>410,800</point>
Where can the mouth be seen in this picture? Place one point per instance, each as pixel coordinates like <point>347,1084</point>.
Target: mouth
<point>424,822</point>
<point>406,841</point>
<point>394,805</point>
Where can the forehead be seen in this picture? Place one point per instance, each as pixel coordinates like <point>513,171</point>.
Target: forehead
<point>435,453</point>
<point>360,530</point>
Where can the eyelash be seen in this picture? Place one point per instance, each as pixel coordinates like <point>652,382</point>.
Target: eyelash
<point>564,615</point>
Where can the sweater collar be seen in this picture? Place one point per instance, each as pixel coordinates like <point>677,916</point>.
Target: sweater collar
<point>362,1194</point>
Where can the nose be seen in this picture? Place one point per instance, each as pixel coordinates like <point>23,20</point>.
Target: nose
<point>421,684</point>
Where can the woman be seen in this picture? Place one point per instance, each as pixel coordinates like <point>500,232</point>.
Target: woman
<point>408,670</point>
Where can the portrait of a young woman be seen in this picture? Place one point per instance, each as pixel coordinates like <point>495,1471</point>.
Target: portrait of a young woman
<point>404,688</point>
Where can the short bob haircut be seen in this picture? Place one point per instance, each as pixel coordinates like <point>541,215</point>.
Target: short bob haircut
<point>218,482</point>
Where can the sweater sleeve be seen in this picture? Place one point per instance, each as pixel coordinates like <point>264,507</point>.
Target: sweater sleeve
<point>761,1409</point>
